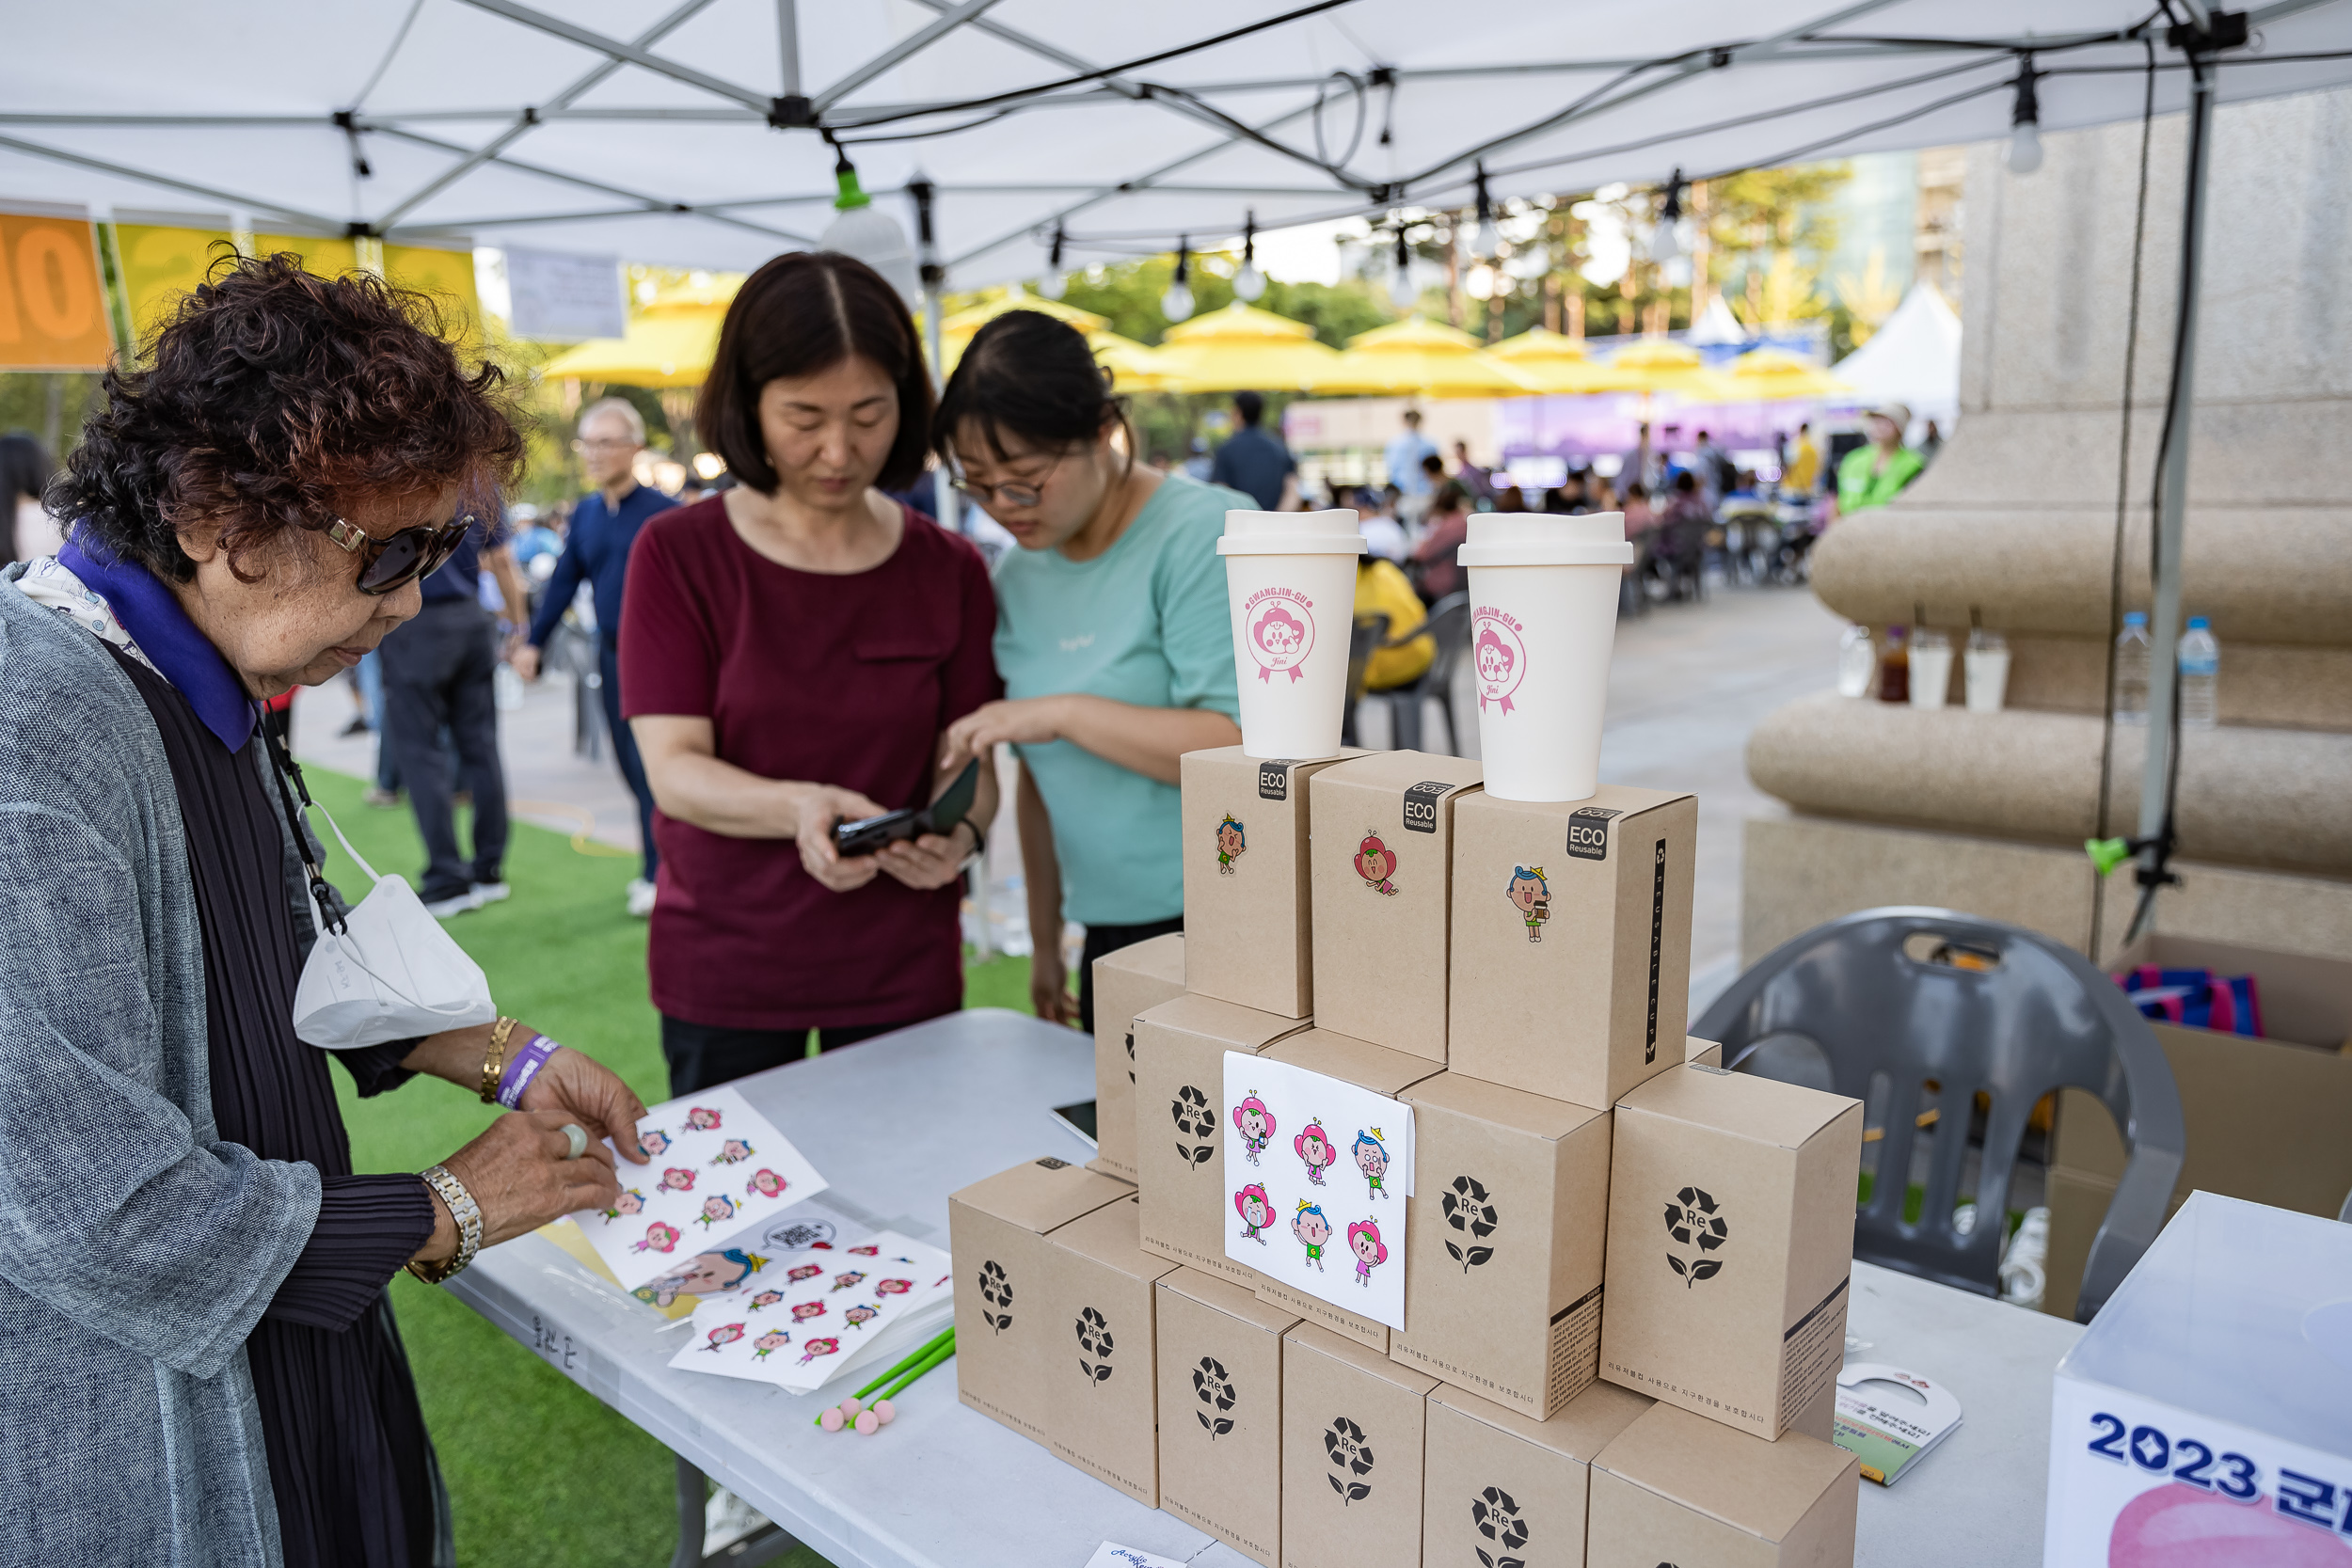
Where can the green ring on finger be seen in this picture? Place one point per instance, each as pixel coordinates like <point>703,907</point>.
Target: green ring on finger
<point>575,1139</point>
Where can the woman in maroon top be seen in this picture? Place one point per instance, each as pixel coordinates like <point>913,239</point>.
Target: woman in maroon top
<point>791,650</point>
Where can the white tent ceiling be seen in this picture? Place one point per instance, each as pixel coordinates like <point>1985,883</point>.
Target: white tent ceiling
<point>642,127</point>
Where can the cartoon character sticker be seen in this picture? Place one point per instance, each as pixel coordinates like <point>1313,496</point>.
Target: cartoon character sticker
<point>807,1271</point>
<point>766,1184</point>
<point>723,1336</point>
<point>860,1315</point>
<point>706,1275</point>
<point>677,1179</point>
<point>703,1119</point>
<point>1232,844</point>
<point>653,1141</point>
<point>1281,631</point>
<point>868,1250</point>
<point>658,1238</point>
<point>1376,862</point>
<point>846,1281</point>
<point>731,1151</point>
<point>1372,1158</point>
<point>1311,1229</point>
<point>1314,1146</point>
<point>807,1310</point>
<point>631,1201</point>
<point>765,1299</point>
<point>893,1287</point>
<point>1498,653</point>
<point>1363,1240</point>
<point>1256,1125</point>
<point>775,1339</point>
<point>717,1210</point>
<point>815,1348</point>
<point>1256,1210</point>
<point>1531,896</point>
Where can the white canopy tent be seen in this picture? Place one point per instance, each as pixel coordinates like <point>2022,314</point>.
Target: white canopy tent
<point>1913,359</point>
<point>682,131</point>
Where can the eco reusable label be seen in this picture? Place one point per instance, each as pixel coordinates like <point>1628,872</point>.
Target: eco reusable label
<point>718,1170</point>
<point>796,1321</point>
<point>1316,1175</point>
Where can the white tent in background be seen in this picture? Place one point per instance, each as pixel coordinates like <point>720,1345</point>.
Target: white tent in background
<point>1913,359</point>
<point>1716,325</point>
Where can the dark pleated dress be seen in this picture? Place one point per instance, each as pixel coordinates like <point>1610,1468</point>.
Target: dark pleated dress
<point>349,1461</point>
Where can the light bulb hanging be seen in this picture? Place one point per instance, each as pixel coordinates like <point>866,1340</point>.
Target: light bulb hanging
<point>2025,118</point>
<point>1249,283</point>
<point>1486,240</point>
<point>1401,292</point>
<point>872,237</point>
<point>1664,245</point>
<point>1055,282</point>
<point>1176,304</point>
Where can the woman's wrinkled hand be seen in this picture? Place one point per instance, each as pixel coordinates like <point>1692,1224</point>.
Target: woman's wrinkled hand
<point>591,1094</point>
<point>520,1180</point>
<point>928,862</point>
<point>820,806</point>
<point>1018,721</point>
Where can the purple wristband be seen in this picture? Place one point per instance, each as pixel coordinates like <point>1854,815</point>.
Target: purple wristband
<point>522,1068</point>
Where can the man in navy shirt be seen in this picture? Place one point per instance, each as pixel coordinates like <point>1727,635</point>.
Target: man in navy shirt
<point>1251,461</point>
<point>439,675</point>
<point>605,525</point>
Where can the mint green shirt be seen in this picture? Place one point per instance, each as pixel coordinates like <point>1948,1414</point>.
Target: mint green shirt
<point>1144,622</point>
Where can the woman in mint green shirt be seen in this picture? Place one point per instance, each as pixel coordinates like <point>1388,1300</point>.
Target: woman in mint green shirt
<point>1112,637</point>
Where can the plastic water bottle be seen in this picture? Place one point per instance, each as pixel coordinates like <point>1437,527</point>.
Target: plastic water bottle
<point>2131,669</point>
<point>2200,673</point>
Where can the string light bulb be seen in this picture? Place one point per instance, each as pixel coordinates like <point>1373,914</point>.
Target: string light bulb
<point>1055,283</point>
<point>2025,118</point>
<point>1249,283</point>
<point>1664,245</point>
<point>1401,292</point>
<point>873,237</point>
<point>1485,240</point>
<point>1176,304</point>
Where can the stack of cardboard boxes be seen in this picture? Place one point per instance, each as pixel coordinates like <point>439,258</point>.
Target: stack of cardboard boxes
<point>1624,1286</point>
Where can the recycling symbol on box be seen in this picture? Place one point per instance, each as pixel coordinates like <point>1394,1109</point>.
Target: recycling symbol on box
<point>1214,1386</point>
<point>1691,1221</point>
<point>996,1290</point>
<point>1497,1516</point>
<point>1351,1453</point>
<point>1194,1118</point>
<point>1468,1210</point>
<point>1094,1337</point>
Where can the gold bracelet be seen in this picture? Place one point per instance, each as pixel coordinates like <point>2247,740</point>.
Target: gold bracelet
<point>467,1217</point>
<point>494,1060</point>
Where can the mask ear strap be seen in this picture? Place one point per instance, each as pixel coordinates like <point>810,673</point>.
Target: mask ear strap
<point>285,768</point>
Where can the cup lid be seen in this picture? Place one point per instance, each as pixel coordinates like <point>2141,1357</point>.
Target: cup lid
<point>1537,539</point>
<point>1291,533</point>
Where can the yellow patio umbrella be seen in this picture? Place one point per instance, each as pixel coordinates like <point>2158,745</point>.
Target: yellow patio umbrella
<point>1135,366</point>
<point>1418,358</point>
<point>963,324</point>
<point>1660,365</point>
<point>1556,363</point>
<point>1767,374</point>
<point>1242,348</point>
<point>669,345</point>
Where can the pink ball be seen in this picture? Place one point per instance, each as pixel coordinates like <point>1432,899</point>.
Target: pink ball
<point>852,1405</point>
<point>884,1412</point>
<point>831,1419</point>
<point>867,1424</point>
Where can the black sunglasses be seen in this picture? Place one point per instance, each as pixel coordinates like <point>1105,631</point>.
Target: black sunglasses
<point>391,563</point>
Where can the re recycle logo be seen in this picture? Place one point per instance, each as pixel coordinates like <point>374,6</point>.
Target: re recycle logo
<point>1691,1220</point>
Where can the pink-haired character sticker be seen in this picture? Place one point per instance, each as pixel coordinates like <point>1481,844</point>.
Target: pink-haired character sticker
<point>844,1281</point>
<point>766,1184</point>
<point>815,1348</point>
<point>1256,1125</point>
<point>868,1250</point>
<point>1376,862</point>
<point>658,1238</point>
<point>703,1119</point>
<point>1498,655</point>
<point>1314,1147</point>
<point>1363,1240</point>
<point>1256,1210</point>
<point>807,1310</point>
<point>893,1287</point>
<point>1531,896</point>
<point>631,1201</point>
<point>717,1210</point>
<point>653,1141</point>
<point>723,1336</point>
<point>678,1179</point>
<point>860,1315</point>
<point>775,1339</point>
<point>766,1298</point>
<point>731,1151</point>
<point>807,1271</point>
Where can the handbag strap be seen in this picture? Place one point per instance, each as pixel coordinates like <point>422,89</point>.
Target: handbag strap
<point>282,769</point>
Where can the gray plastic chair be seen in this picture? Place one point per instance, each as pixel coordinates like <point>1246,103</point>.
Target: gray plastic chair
<point>2040,1018</point>
<point>1449,623</point>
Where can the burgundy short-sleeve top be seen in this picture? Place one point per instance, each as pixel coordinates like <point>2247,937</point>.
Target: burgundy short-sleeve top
<point>839,679</point>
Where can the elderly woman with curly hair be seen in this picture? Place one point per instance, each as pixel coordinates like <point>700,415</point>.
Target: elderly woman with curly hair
<point>202,1366</point>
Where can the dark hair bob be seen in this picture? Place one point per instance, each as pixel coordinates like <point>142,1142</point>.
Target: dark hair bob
<point>270,392</point>
<point>1030,374</point>
<point>800,314</point>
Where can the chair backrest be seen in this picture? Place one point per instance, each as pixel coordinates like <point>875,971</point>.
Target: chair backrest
<point>1894,999</point>
<point>1368,633</point>
<point>1448,626</point>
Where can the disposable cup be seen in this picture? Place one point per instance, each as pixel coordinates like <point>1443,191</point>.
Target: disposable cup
<point>1988,678</point>
<point>1289,581</point>
<point>1931,670</point>
<point>1543,623</point>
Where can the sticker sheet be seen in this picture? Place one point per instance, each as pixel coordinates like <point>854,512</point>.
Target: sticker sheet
<point>806,1312</point>
<point>719,1172</point>
<point>1317,1173</point>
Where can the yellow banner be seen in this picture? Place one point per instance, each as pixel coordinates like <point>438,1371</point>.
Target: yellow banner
<point>53,307</point>
<point>162,264</point>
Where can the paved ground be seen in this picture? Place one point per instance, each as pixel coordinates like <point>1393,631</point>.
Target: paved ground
<point>1687,683</point>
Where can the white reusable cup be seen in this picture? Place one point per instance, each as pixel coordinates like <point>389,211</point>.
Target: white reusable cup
<point>1290,582</point>
<point>1987,663</point>
<point>1930,669</point>
<point>1543,622</point>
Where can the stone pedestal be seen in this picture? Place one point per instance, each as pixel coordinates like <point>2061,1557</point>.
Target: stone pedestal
<point>2017,524</point>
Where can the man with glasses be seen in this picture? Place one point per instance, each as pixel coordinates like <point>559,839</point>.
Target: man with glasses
<point>605,525</point>
<point>438,680</point>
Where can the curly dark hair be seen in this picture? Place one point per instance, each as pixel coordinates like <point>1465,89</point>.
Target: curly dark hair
<point>268,393</point>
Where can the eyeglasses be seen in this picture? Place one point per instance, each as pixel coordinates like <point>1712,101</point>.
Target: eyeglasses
<point>391,563</point>
<point>1018,497</point>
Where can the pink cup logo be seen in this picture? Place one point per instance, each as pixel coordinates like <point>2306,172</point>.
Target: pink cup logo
<point>1281,631</point>
<point>1499,655</point>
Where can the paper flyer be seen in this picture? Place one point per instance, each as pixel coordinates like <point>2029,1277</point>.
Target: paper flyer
<point>719,1172</point>
<point>805,1313</point>
<point>1888,1432</point>
<point>1317,1172</point>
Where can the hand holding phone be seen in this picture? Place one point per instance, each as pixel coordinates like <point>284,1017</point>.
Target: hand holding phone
<point>865,836</point>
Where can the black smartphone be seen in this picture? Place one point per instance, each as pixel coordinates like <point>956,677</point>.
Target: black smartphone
<point>1078,1118</point>
<point>865,836</point>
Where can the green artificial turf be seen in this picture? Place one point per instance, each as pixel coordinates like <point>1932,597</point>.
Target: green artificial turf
<point>538,1471</point>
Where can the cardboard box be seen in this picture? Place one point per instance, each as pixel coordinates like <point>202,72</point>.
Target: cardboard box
<point>1353,1426</point>
<point>1731,1202</point>
<point>1220,1359</point>
<point>1383,1071</point>
<point>1502,1488</point>
<point>1703,1053</point>
<point>1180,1130</point>
<point>2205,1416</point>
<point>997,1230</point>
<point>1100,1381</point>
<point>1676,1488</point>
<point>1133,980</point>
<point>1247,897</point>
<point>1383,849</point>
<point>1571,942</point>
<point>1510,1206</point>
